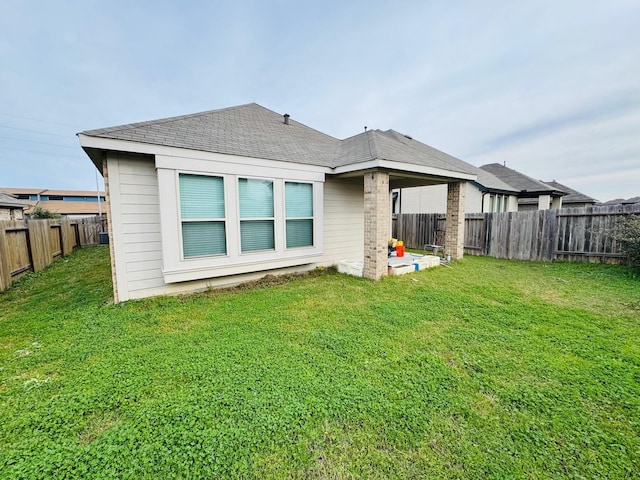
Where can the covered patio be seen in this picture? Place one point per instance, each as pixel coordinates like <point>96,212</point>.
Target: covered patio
<point>378,185</point>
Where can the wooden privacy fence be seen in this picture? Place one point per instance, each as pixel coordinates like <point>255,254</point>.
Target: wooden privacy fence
<point>32,245</point>
<point>570,234</point>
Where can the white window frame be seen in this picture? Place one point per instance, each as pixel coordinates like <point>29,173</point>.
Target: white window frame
<point>240,219</point>
<point>312,217</point>
<point>176,268</point>
<point>224,220</point>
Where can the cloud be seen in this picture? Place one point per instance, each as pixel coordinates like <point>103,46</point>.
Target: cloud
<point>549,87</point>
<point>616,104</point>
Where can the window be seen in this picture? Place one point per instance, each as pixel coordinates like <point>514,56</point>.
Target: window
<point>236,219</point>
<point>256,214</point>
<point>299,214</point>
<point>202,215</point>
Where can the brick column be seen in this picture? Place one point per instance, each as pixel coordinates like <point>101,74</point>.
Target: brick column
<point>377,218</point>
<point>454,235</point>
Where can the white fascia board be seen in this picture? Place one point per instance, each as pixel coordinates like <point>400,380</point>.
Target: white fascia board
<point>177,152</point>
<point>407,167</point>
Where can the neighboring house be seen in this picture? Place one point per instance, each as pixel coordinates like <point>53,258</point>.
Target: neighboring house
<point>573,198</point>
<point>622,201</point>
<point>11,208</point>
<point>68,203</point>
<point>541,195</point>
<point>485,194</point>
<point>221,197</point>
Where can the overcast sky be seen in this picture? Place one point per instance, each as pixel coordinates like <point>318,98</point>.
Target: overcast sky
<point>552,88</point>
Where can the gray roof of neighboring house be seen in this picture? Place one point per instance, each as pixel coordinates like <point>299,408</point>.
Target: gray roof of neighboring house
<point>622,201</point>
<point>8,200</point>
<point>523,183</point>
<point>254,131</point>
<point>572,196</point>
<point>492,183</point>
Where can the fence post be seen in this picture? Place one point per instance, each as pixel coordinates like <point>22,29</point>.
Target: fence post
<point>5,274</point>
<point>553,234</point>
<point>67,240</point>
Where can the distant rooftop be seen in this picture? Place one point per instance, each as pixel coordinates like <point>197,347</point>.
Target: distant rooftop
<point>8,200</point>
<point>573,196</point>
<point>521,182</point>
<point>46,191</point>
<point>623,201</point>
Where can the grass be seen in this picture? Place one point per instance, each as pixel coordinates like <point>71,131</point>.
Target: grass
<point>487,369</point>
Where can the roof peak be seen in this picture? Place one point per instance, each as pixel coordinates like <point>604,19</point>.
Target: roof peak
<point>251,130</point>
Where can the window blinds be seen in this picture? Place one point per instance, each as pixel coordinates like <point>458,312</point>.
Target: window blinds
<point>256,214</point>
<point>203,215</point>
<point>299,214</point>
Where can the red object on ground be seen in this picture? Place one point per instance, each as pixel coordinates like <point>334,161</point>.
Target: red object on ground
<point>399,250</point>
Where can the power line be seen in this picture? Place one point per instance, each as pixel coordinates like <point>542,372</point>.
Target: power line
<point>35,131</point>
<point>38,120</point>
<point>77,157</point>
<point>39,143</point>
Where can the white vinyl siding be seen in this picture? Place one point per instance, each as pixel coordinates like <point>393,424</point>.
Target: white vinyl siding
<point>343,221</point>
<point>135,218</point>
<point>138,243</point>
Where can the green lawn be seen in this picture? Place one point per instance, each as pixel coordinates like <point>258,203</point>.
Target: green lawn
<point>487,369</point>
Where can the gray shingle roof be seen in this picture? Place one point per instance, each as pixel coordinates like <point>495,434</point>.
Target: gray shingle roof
<point>248,130</point>
<point>8,200</point>
<point>622,201</point>
<point>572,196</point>
<point>393,146</point>
<point>517,180</point>
<point>493,183</point>
<point>254,131</point>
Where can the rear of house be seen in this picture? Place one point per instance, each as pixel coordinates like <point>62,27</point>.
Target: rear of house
<point>226,196</point>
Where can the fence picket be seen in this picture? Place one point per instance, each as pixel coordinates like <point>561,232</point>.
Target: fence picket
<point>32,245</point>
<point>570,234</point>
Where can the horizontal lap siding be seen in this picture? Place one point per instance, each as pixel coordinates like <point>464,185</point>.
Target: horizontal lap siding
<point>343,227</point>
<point>140,222</point>
<point>343,222</point>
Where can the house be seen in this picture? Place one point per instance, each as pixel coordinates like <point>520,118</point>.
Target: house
<point>622,201</point>
<point>221,197</point>
<point>67,203</point>
<point>573,198</point>
<point>485,194</point>
<point>11,208</point>
<point>542,196</point>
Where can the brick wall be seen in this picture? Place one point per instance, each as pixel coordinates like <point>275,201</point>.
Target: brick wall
<point>454,236</point>
<point>377,221</point>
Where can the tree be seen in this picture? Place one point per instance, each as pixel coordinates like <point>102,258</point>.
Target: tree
<point>629,238</point>
<point>39,212</point>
